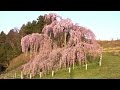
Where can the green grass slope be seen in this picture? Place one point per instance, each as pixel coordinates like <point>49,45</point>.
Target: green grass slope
<point>110,69</point>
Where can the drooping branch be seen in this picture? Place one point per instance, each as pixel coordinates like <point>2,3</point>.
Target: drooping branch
<point>51,57</point>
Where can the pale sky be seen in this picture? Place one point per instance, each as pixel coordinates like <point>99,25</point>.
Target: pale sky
<point>105,24</point>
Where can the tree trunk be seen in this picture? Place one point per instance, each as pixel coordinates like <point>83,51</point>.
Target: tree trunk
<point>30,51</point>
<point>60,63</point>
<point>73,64</point>
<point>80,63</point>
<point>65,39</point>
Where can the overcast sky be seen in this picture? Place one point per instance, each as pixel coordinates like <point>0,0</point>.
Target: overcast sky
<point>105,24</point>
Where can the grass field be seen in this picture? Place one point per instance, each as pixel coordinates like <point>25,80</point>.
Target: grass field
<point>110,69</point>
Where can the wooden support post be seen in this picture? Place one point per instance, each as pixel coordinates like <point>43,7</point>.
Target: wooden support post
<point>86,62</point>
<point>30,76</point>
<point>69,70</point>
<point>21,75</point>
<point>86,66</point>
<point>52,73</point>
<point>100,60</point>
<point>15,75</point>
<point>40,74</point>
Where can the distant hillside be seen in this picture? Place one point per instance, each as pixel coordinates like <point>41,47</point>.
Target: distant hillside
<point>18,61</point>
<point>113,43</point>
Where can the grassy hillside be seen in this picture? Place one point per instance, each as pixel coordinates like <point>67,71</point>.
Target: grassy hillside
<point>110,68</point>
<point>111,44</point>
<point>15,64</point>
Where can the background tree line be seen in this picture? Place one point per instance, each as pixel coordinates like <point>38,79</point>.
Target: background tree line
<point>10,46</point>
